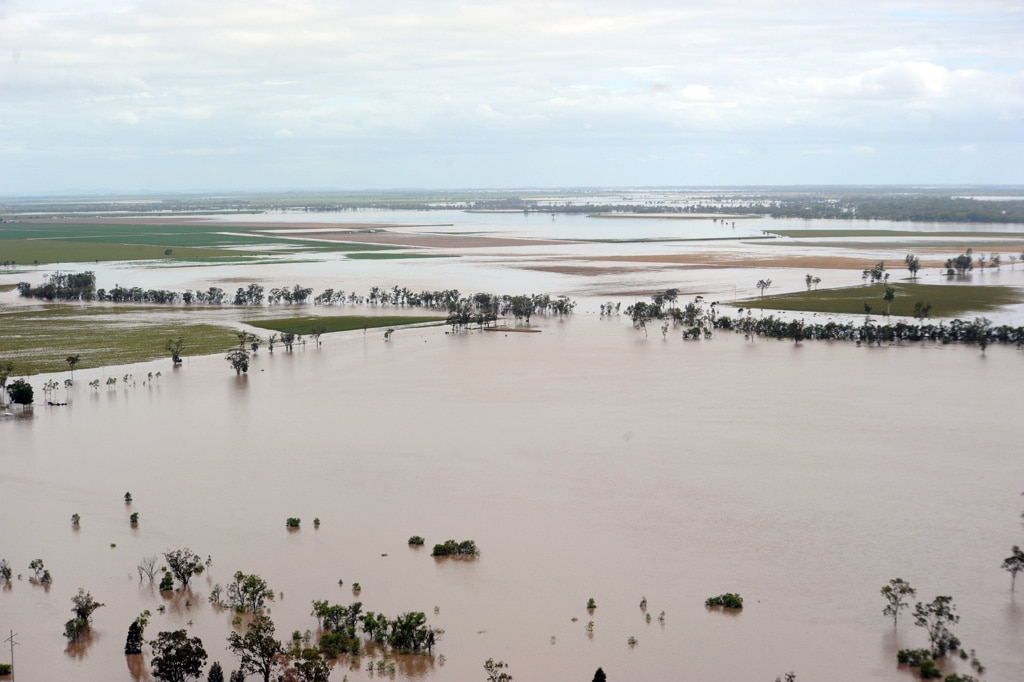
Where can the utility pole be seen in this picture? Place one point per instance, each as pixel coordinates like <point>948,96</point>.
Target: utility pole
<point>13,643</point>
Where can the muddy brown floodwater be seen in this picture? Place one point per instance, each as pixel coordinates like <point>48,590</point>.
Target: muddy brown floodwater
<point>585,461</point>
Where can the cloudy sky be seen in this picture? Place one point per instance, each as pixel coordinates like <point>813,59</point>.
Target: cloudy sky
<point>297,94</point>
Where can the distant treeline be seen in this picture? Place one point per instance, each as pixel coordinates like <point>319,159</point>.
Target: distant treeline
<point>947,204</point>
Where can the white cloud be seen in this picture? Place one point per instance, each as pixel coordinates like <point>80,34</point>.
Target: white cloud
<point>126,117</point>
<point>587,74</point>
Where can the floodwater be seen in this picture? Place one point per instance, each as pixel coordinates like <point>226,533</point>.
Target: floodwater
<point>585,461</point>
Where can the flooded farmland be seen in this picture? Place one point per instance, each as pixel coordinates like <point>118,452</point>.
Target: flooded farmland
<point>586,461</point>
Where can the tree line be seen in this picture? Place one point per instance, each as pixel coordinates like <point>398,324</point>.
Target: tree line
<point>482,308</point>
<point>699,319</point>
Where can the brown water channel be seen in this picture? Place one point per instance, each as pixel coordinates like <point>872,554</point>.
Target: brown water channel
<point>585,461</point>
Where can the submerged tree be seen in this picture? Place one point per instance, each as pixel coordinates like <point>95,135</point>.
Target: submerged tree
<point>316,331</point>
<point>913,264</point>
<point>496,671</point>
<point>936,618</point>
<point>961,264</point>
<point>84,605</point>
<point>257,649</point>
<point>72,361</point>
<point>177,657</point>
<point>239,359</point>
<point>184,563</point>
<point>20,392</point>
<point>174,347</point>
<point>1014,564</point>
<point>248,592</point>
<point>763,284</point>
<point>896,594</point>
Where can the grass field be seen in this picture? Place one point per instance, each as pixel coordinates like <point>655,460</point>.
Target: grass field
<point>69,242</point>
<point>946,300</point>
<point>39,339</point>
<point>54,251</point>
<point>341,323</point>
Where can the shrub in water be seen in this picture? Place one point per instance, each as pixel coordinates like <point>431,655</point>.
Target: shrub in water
<point>728,600</point>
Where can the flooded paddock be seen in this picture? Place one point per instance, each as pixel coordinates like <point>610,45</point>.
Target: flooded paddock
<point>585,461</point>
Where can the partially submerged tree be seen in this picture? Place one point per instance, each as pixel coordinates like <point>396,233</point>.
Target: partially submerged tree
<point>763,284</point>
<point>248,592</point>
<point>306,664</point>
<point>20,392</point>
<point>84,605</point>
<point>216,673</point>
<point>136,631</point>
<point>935,618</point>
<point>183,563</point>
<point>896,594</point>
<point>913,264</point>
<point>177,657</point>
<point>1014,564</point>
<point>496,671</point>
<point>961,264</point>
<point>316,331</point>
<point>257,649</point>
<point>239,359</point>
<point>174,347</point>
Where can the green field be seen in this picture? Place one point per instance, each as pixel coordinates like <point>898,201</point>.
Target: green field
<point>341,323</point>
<point>47,251</point>
<point>946,300</point>
<point>39,339</point>
<point>70,242</point>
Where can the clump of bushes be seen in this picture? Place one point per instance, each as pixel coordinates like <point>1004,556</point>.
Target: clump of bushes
<point>920,659</point>
<point>728,600</point>
<point>416,540</point>
<point>453,548</point>
<point>293,522</point>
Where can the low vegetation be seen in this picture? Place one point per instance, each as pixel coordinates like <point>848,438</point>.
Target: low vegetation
<point>946,301</point>
<point>100,336</point>
<point>729,600</point>
<point>455,548</point>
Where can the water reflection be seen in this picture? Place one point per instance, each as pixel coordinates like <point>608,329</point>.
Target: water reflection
<point>79,649</point>
<point>137,667</point>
